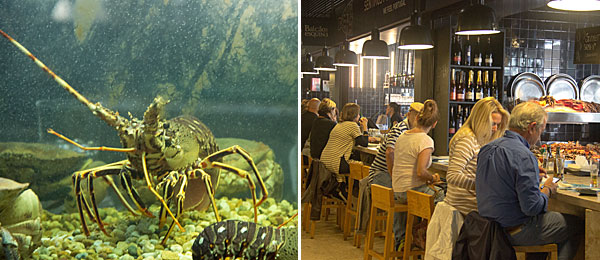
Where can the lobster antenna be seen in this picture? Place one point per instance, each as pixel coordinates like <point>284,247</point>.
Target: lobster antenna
<point>290,219</point>
<point>113,119</point>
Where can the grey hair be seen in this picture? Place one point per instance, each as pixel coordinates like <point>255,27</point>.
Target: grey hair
<point>524,114</point>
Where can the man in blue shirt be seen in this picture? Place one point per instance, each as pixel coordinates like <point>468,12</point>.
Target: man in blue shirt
<point>507,185</point>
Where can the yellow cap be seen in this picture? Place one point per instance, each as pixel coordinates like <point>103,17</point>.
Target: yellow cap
<point>417,106</point>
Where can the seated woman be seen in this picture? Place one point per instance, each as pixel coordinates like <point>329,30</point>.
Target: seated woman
<point>343,138</point>
<point>411,162</point>
<point>487,122</point>
<point>322,126</point>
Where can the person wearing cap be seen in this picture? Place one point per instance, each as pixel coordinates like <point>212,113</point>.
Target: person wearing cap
<point>380,170</point>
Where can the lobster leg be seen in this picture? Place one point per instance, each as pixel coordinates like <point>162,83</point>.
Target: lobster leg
<point>126,183</point>
<point>180,197</point>
<point>78,196</point>
<point>245,175</point>
<point>162,201</point>
<point>211,161</point>
<point>211,191</point>
<point>168,185</point>
<point>91,178</point>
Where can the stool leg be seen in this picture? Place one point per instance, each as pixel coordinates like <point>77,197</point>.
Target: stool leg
<point>408,235</point>
<point>312,226</point>
<point>370,235</point>
<point>521,256</point>
<point>389,237</point>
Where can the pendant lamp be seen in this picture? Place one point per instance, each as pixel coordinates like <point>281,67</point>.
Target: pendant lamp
<point>345,57</point>
<point>324,62</point>
<point>575,5</point>
<point>477,19</point>
<point>308,66</point>
<point>375,48</point>
<point>415,36</point>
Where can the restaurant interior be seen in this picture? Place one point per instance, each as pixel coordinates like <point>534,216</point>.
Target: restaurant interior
<point>374,53</point>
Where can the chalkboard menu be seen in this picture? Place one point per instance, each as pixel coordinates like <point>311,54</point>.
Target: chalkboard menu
<point>587,46</point>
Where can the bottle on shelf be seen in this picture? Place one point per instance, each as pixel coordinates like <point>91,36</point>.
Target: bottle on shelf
<point>460,89</point>
<point>476,52</point>
<point>489,55</point>
<point>453,86</point>
<point>479,89</point>
<point>486,84</point>
<point>469,93</point>
<point>456,51</point>
<point>494,88</point>
<point>459,118</point>
<point>467,59</point>
<point>452,123</point>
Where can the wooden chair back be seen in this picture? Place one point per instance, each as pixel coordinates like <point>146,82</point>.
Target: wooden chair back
<point>365,171</point>
<point>382,197</point>
<point>420,204</point>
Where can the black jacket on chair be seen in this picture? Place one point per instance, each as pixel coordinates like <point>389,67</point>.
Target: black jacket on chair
<point>481,238</point>
<point>321,182</point>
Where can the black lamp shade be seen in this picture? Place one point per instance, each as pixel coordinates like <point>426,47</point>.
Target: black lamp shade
<point>415,37</point>
<point>345,57</point>
<point>324,62</point>
<point>308,66</point>
<point>477,19</point>
<point>375,48</point>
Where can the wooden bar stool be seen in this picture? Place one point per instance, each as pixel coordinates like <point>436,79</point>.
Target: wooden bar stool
<point>328,203</point>
<point>419,205</point>
<point>351,201</point>
<point>551,249</point>
<point>382,198</point>
<point>357,236</point>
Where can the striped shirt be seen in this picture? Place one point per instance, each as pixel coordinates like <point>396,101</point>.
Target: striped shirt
<point>379,164</point>
<point>340,143</point>
<point>462,166</point>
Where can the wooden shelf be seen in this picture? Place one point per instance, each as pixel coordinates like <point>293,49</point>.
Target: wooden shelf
<point>474,67</point>
<point>462,102</point>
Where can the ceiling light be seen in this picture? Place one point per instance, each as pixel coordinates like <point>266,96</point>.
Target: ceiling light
<point>375,48</point>
<point>345,57</point>
<point>307,66</point>
<point>415,36</point>
<point>477,19</point>
<point>324,62</point>
<point>575,5</point>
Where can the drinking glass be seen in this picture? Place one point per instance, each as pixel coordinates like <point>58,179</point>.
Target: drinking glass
<point>594,173</point>
<point>560,167</point>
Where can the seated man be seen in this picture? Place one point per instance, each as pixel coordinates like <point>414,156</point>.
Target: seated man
<point>508,192</point>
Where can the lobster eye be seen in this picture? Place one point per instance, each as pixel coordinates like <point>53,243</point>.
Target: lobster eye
<point>166,125</point>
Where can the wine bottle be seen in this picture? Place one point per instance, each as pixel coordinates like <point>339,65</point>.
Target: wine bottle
<point>460,89</point>
<point>476,52</point>
<point>452,127</point>
<point>456,51</point>
<point>469,94</point>
<point>459,118</point>
<point>467,52</point>
<point>494,89</point>
<point>486,84</point>
<point>479,89</point>
<point>453,86</point>
<point>489,56</point>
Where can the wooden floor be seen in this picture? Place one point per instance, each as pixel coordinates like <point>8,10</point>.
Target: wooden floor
<point>328,243</point>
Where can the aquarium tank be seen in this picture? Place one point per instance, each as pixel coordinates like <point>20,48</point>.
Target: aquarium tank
<point>170,111</point>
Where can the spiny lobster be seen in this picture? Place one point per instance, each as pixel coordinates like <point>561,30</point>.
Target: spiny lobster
<point>165,154</point>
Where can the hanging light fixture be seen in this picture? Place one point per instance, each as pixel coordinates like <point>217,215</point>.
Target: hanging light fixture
<point>308,66</point>
<point>575,5</point>
<point>345,57</point>
<point>477,19</point>
<point>415,36</point>
<point>375,48</point>
<point>324,62</point>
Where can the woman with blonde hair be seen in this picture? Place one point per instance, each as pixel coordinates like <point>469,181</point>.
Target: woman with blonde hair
<point>487,122</point>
